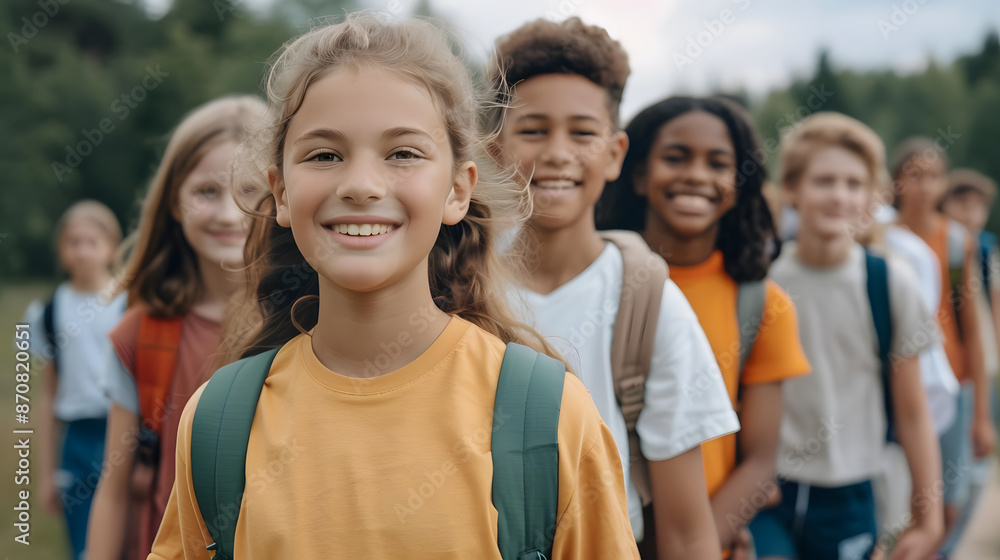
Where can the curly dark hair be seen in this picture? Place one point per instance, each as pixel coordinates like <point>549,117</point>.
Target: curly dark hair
<point>747,236</point>
<point>569,47</point>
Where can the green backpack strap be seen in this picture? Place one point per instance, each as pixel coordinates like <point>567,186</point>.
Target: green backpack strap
<point>525,452</point>
<point>219,437</point>
<point>749,310</point>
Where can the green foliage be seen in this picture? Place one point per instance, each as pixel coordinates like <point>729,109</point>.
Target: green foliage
<point>104,62</point>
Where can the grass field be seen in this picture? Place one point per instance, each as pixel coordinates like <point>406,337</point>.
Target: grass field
<point>47,537</point>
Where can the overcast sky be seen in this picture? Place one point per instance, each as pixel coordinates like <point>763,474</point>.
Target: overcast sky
<point>696,46</point>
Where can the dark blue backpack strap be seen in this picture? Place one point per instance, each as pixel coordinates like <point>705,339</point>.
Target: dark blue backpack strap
<point>878,297</point>
<point>525,452</point>
<point>49,326</point>
<point>219,437</point>
<point>986,252</point>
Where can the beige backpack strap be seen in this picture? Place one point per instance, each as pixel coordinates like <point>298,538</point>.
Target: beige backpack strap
<point>633,338</point>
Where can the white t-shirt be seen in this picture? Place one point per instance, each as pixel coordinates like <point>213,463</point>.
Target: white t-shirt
<point>935,371</point>
<point>686,402</point>
<point>833,426</point>
<point>82,321</point>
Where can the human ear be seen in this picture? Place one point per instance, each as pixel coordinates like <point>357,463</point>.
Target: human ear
<point>277,185</point>
<point>616,149</point>
<point>457,204</point>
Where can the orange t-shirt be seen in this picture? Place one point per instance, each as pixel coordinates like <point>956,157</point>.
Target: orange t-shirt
<point>777,352</point>
<point>946,316</point>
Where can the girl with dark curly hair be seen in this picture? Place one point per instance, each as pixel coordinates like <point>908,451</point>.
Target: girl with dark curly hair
<point>692,185</point>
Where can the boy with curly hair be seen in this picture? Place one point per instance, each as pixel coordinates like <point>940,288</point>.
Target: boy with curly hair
<point>561,134</point>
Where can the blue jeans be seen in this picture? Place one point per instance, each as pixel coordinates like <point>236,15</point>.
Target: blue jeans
<point>82,456</point>
<point>818,523</point>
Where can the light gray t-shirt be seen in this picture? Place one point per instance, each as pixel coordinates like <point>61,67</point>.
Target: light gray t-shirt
<point>833,427</point>
<point>82,321</point>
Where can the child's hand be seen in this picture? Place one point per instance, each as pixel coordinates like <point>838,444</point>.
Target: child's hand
<point>917,543</point>
<point>983,437</point>
<point>743,548</point>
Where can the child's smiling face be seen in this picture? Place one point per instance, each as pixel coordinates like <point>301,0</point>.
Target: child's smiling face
<point>559,134</point>
<point>833,193</point>
<point>368,177</point>
<point>690,174</point>
<point>212,222</point>
<point>923,181</point>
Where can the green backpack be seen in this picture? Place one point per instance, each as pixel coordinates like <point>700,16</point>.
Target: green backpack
<point>524,448</point>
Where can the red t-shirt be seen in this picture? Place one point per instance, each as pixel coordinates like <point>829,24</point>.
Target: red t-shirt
<point>197,358</point>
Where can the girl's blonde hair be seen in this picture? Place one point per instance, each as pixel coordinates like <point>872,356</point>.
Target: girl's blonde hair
<point>160,269</point>
<point>94,212</point>
<point>468,275</point>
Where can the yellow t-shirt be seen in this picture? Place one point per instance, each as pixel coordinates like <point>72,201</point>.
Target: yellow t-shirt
<point>396,466</point>
<point>776,355</point>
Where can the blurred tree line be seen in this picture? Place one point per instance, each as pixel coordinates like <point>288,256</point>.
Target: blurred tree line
<point>958,102</point>
<point>89,90</point>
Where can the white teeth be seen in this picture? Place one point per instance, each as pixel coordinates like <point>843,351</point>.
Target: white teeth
<point>693,201</point>
<point>555,184</point>
<point>363,230</point>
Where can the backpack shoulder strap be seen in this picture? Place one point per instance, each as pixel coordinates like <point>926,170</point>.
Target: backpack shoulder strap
<point>633,338</point>
<point>156,358</point>
<point>878,297</point>
<point>525,452</point>
<point>956,245</point>
<point>750,298</point>
<point>49,326</point>
<point>219,437</point>
<point>986,255</point>
<point>957,239</point>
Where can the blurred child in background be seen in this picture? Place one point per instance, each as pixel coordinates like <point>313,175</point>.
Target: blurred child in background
<point>920,179</point>
<point>71,334</point>
<point>184,267</point>
<point>690,186</point>
<point>893,487</point>
<point>862,328</point>
<point>968,201</point>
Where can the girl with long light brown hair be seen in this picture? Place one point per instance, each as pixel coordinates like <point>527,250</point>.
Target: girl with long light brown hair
<point>184,265</point>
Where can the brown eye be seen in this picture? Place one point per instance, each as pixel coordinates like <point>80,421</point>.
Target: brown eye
<point>404,155</point>
<point>326,157</point>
